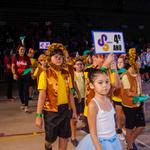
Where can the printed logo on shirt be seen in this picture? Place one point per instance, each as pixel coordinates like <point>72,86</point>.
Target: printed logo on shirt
<point>21,63</point>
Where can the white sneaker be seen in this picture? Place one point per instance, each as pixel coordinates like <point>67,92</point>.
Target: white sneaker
<point>22,107</point>
<point>27,110</point>
<point>121,137</point>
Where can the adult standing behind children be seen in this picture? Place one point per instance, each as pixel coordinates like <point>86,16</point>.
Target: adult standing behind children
<point>8,73</point>
<point>55,99</point>
<point>20,62</point>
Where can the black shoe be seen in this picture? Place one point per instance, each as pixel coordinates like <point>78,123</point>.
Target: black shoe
<point>30,98</point>
<point>46,148</point>
<point>12,98</point>
<point>134,147</point>
<point>119,131</point>
<point>75,142</point>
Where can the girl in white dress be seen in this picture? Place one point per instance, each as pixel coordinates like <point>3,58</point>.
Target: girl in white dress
<point>100,117</point>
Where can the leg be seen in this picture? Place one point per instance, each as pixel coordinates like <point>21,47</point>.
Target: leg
<point>20,90</point>
<point>26,90</point>
<point>119,116</point>
<point>137,132</point>
<point>48,146</point>
<point>73,129</point>
<point>129,138</point>
<point>62,144</point>
<point>73,132</point>
<point>30,92</point>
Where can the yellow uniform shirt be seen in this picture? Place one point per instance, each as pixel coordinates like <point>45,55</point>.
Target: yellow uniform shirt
<point>112,81</point>
<point>62,92</point>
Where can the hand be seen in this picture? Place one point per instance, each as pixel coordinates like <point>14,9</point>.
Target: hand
<point>74,116</point>
<point>32,71</point>
<point>108,60</point>
<point>39,122</point>
<point>15,77</point>
<point>113,65</point>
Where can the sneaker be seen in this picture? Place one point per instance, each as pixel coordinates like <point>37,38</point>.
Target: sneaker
<point>84,130</point>
<point>135,147</point>
<point>30,98</point>
<point>75,142</point>
<point>22,107</point>
<point>119,131</point>
<point>27,110</point>
<point>121,137</point>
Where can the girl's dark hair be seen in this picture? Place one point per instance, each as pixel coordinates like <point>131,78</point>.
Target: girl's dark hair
<point>56,51</point>
<point>93,72</point>
<point>17,53</point>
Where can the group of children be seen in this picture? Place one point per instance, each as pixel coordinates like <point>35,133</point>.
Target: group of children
<point>93,88</point>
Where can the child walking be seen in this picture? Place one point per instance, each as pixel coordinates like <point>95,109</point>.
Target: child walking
<point>117,100</point>
<point>100,116</point>
<point>134,114</point>
<point>55,100</point>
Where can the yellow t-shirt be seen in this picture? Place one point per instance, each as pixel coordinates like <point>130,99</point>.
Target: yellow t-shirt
<point>62,92</point>
<point>36,72</point>
<point>112,81</point>
<point>42,84</point>
<point>79,79</point>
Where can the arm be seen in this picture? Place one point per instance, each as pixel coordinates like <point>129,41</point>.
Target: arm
<point>92,111</point>
<point>108,61</point>
<point>42,86</point>
<point>40,104</point>
<point>14,71</point>
<point>73,106</point>
<point>116,83</point>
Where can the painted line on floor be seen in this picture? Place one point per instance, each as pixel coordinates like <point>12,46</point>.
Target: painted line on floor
<point>142,143</point>
<point>19,134</point>
<point>7,138</point>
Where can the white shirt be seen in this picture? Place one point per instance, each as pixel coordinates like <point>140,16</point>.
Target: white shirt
<point>105,122</point>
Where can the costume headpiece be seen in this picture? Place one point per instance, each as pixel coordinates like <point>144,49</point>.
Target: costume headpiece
<point>55,46</point>
<point>132,58</point>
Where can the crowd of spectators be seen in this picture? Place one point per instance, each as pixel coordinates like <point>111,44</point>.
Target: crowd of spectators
<point>74,37</point>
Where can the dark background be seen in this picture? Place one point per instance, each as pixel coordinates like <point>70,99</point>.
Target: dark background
<point>131,16</point>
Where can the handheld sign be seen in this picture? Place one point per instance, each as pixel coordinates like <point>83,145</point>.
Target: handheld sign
<point>108,42</point>
<point>44,45</point>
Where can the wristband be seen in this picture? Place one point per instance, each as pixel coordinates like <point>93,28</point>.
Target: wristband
<point>73,91</point>
<point>39,115</point>
<point>103,69</point>
<point>113,70</point>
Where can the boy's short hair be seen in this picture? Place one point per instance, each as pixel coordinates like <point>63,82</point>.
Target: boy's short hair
<point>56,51</point>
